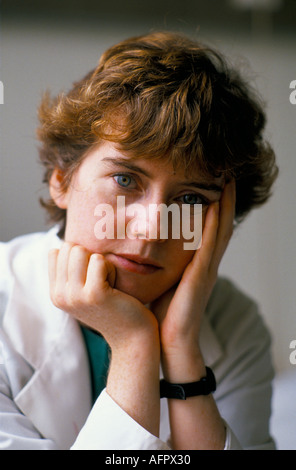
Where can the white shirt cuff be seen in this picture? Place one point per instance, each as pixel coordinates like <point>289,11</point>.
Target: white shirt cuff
<point>109,427</point>
<point>231,442</point>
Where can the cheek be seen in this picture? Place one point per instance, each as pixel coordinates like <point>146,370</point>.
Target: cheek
<point>182,260</point>
<point>177,260</point>
<point>81,218</point>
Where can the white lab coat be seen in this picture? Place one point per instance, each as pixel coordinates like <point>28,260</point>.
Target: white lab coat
<point>45,389</point>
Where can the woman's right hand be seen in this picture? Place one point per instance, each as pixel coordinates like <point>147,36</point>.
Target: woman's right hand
<point>82,284</point>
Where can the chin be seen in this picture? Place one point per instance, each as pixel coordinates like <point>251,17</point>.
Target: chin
<point>144,298</point>
<point>142,293</point>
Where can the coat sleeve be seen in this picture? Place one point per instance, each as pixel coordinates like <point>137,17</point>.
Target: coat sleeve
<point>246,372</point>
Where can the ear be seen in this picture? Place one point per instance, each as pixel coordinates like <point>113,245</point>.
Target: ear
<point>56,189</point>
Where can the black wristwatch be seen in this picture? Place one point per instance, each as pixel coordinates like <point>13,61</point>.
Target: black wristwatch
<point>205,386</point>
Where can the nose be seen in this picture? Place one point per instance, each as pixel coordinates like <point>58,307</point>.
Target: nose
<point>147,221</point>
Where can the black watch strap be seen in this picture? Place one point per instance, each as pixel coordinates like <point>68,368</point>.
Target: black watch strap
<point>205,386</point>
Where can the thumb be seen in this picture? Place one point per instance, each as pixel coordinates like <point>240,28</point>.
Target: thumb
<point>111,273</point>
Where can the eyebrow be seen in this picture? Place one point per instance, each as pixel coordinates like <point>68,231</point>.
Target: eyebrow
<point>207,186</point>
<point>126,164</point>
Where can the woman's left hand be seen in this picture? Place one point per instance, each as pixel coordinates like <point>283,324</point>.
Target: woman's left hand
<point>180,310</point>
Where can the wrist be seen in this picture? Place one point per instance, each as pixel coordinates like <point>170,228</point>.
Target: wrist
<point>138,346</point>
<point>135,364</point>
<point>133,379</point>
<point>183,365</point>
<point>121,340</point>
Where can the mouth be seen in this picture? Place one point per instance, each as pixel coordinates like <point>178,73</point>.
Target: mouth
<point>135,263</point>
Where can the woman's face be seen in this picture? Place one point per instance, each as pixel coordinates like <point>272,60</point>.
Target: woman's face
<point>100,202</point>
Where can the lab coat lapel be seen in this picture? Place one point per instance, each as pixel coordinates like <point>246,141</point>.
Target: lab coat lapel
<point>57,397</point>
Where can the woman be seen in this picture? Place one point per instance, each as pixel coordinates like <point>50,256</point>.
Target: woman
<point>161,121</point>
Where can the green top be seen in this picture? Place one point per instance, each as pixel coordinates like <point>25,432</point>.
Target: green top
<point>99,356</point>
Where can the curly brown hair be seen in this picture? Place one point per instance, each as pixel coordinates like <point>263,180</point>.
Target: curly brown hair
<point>162,95</point>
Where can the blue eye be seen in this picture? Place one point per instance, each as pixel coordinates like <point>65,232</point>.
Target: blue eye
<point>123,180</point>
<point>191,199</point>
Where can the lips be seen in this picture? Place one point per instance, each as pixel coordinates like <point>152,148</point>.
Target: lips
<point>135,263</point>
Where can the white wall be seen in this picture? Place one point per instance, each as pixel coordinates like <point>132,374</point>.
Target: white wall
<point>262,257</point>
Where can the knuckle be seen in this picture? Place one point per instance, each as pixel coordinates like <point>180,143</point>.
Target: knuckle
<point>91,297</point>
<point>66,247</point>
<point>58,298</point>
<point>79,250</point>
<point>65,298</point>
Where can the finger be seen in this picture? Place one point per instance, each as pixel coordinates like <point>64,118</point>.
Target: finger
<point>201,261</point>
<point>100,273</point>
<point>203,256</point>
<point>226,220</point>
<point>62,264</point>
<point>210,231</point>
<point>52,266</point>
<point>77,266</point>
